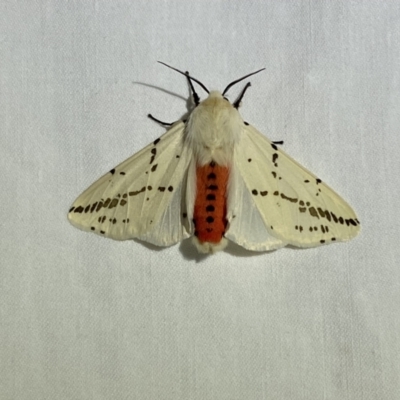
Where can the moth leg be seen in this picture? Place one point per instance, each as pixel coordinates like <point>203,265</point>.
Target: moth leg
<point>196,97</point>
<point>236,104</point>
<point>160,122</point>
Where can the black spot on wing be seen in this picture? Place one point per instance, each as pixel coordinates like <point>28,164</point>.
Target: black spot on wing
<point>106,203</point>
<point>313,212</point>
<point>136,192</point>
<point>112,171</point>
<point>153,152</point>
<point>274,158</point>
<point>113,203</point>
<point>293,200</point>
<point>263,193</point>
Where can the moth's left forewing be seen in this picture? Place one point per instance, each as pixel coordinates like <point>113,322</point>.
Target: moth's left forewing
<point>295,206</point>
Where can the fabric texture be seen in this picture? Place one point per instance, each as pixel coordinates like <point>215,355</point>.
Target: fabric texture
<point>83,317</point>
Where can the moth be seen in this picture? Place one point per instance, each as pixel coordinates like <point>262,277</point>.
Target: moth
<point>214,177</point>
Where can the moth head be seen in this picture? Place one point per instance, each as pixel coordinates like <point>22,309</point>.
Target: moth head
<point>213,129</point>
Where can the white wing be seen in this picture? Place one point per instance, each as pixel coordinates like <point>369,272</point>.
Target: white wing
<point>295,206</point>
<point>246,225</point>
<point>144,197</point>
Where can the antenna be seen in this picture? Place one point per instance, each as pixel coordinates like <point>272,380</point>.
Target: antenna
<point>187,76</point>
<point>240,79</point>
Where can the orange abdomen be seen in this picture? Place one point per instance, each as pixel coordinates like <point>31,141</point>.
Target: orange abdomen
<point>209,214</point>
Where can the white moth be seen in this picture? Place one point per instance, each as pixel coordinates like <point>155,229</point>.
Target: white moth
<point>214,177</point>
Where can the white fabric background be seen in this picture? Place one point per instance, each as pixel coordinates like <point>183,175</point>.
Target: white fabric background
<point>83,317</point>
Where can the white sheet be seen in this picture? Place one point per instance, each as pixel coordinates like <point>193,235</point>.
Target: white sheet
<point>82,317</point>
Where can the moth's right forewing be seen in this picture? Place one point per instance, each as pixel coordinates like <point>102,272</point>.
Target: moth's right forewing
<point>141,197</point>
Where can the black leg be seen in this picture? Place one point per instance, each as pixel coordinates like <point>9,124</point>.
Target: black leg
<point>160,122</point>
<point>278,142</point>
<point>236,104</point>
<point>196,97</point>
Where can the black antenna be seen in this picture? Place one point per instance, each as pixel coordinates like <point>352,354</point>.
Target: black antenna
<point>187,76</point>
<point>240,79</point>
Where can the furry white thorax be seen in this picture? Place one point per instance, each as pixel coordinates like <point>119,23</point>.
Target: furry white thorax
<point>213,129</point>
